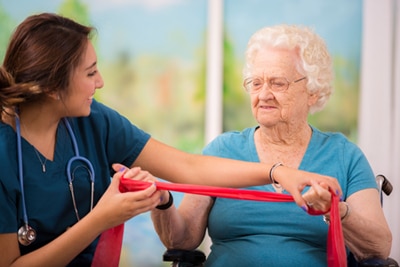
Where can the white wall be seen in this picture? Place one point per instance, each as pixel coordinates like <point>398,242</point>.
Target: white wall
<point>379,120</point>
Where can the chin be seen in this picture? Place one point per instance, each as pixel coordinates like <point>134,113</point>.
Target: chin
<point>86,113</point>
<point>83,113</point>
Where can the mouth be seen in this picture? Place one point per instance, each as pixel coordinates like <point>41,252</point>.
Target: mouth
<point>267,107</point>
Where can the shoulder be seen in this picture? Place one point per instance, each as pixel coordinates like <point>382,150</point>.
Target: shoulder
<point>331,140</point>
<point>103,117</point>
<point>8,152</point>
<point>232,144</point>
<point>99,110</point>
<point>106,123</point>
<point>343,159</point>
<point>7,139</point>
<point>232,136</point>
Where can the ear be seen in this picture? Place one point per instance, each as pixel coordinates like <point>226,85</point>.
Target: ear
<point>55,96</point>
<point>312,99</point>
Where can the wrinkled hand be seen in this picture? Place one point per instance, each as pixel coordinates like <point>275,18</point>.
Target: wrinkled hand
<point>318,197</point>
<point>294,181</point>
<point>115,207</point>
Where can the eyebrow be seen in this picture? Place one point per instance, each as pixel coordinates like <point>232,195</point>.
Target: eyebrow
<point>91,66</point>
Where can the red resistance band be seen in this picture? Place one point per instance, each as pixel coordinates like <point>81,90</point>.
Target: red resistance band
<point>108,254</point>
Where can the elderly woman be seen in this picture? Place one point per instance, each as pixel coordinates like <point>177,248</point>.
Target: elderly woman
<point>287,75</point>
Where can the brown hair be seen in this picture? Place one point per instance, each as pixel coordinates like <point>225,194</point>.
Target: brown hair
<point>42,53</point>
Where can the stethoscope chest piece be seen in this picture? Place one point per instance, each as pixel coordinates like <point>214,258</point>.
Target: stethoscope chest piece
<point>26,235</point>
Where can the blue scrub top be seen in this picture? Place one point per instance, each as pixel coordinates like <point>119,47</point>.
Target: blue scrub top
<point>105,137</point>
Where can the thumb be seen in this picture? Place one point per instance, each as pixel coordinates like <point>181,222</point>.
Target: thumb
<point>115,181</point>
<point>117,167</point>
<point>298,198</point>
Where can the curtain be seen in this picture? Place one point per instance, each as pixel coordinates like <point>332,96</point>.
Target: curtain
<point>379,116</point>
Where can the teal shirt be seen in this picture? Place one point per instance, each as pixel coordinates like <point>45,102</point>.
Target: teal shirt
<point>105,137</point>
<point>258,234</point>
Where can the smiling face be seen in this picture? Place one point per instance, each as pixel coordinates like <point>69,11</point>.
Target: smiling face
<point>85,79</point>
<point>290,106</point>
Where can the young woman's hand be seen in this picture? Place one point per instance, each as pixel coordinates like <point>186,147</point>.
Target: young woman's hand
<point>115,207</point>
<point>294,181</point>
<point>143,176</point>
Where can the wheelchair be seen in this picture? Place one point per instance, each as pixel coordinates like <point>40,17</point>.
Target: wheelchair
<point>196,258</point>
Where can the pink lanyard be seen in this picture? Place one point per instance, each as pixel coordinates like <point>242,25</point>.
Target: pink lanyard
<point>109,247</point>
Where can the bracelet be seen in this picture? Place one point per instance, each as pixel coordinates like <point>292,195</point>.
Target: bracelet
<point>327,219</point>
<point>168,204</point>
<point>271,174</point>
<point>347,211</point>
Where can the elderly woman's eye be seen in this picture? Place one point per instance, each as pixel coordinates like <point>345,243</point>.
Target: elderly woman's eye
<point>278,82</point>
<point>257,82</point>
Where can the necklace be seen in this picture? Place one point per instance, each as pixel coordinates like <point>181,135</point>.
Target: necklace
<point>43,163</point>
<point>40,159</point>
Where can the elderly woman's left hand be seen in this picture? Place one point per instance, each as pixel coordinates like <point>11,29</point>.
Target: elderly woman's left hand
<point>318,197</point>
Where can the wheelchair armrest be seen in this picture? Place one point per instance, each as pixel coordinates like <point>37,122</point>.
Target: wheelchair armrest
<point>197,257</point>
<point>384,184</point>
<point>374,262</point>
<point>185,257</point>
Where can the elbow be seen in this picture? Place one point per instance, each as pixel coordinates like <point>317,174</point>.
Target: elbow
<point>184,242</point>
<point>387,246</point>
<point>380,249</point>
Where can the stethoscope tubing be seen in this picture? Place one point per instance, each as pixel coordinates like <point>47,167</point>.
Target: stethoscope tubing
<point>26,234</point>
<point>20,169</point>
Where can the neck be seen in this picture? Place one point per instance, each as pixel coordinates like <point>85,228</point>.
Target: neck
<point>283,144</point>
<point>39,128</point>
<point>284,135</point>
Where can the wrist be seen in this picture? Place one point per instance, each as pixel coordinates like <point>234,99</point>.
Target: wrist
<point>343,214</point>
<point>271,174</point>
<point>168,204</point>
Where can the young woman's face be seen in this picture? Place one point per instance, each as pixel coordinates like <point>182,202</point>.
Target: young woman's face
<point>84,81</point>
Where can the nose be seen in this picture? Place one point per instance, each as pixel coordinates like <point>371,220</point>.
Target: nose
<point>265,92</point>
<point>265,86</point>
<point>99,81</point>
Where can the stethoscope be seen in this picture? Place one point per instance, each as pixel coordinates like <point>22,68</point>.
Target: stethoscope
<point>26,234</point>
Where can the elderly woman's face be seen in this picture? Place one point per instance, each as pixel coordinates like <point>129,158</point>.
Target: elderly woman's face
<point>289,106</point>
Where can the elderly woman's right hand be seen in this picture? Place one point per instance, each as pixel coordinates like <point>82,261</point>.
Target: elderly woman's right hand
<point>294,181</point>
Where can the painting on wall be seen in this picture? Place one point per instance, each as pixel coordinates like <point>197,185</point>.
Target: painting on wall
<point>152,56</point>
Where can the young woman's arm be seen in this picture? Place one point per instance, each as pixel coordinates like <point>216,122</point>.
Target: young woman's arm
<point>112,209</point>
<point>177,166</point>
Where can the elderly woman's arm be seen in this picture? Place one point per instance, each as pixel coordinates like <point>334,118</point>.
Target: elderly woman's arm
<point>365,229</point>
<point>185,227</point>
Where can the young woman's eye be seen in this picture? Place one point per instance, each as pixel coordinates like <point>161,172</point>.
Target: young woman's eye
<point>93,73</point>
